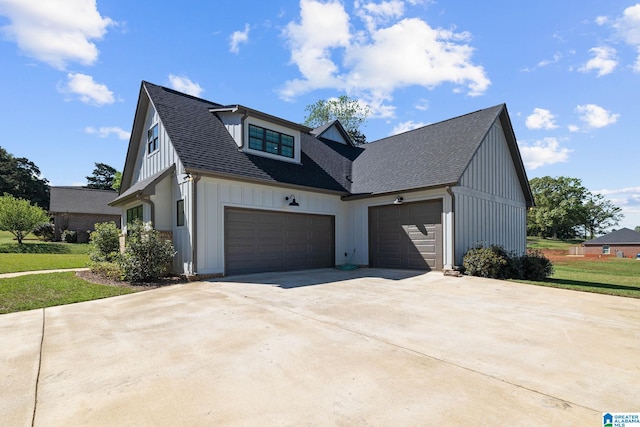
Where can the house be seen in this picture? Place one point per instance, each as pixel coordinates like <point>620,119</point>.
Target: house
<point>242,191</point>
<point>622,243</point>
<point>79,209</point>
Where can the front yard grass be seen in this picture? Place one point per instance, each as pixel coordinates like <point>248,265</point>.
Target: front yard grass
<point>14,263</point>
<point>46,290</point>
<point>613,276</point>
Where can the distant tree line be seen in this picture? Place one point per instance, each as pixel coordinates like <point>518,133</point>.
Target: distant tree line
<point>565,209</point>
<point>21,178</point>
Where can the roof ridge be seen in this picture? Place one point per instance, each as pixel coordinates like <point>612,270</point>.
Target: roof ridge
<point>177,92</point>
<point>502,105</point>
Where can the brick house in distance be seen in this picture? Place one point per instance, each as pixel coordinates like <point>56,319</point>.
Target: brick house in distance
<point>622,243</point>
<point>79,209</point>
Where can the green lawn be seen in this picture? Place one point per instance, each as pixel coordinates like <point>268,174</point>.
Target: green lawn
<point>47,290</point>
<point>542,243</point>
<point>35,254</point>
<point>613,276</point>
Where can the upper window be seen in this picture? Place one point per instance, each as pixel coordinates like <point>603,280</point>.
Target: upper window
<point>606,249</point>
<point>270,141</point>
<point>152,139</point>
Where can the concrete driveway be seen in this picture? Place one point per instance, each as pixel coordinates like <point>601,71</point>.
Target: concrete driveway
<point>325,347</point>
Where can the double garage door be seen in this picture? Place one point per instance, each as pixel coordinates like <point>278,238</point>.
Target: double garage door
<point>406,236</point>
<point>261,241</point>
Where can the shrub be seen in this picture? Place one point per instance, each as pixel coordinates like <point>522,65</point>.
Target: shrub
<point>483,261</point>
<point>146,257</point>
<point>535,266</point>
<point>45,231</point>
<point>105,242</point>
<point>497,263</point>
<point>69,236</point>
<point>110,270</point>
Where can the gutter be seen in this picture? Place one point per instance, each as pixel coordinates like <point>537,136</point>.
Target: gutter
<point>194,228</point>
<point>453,225</point>
<point>147,200</point>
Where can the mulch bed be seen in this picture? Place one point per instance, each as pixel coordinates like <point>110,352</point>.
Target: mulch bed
<point>101,280</point>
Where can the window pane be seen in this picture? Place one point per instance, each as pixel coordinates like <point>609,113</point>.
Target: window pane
<point>287,151</point>
<point>287,140</point>
<point>272,148</point>
<point>180,213</point>
<point>270,141</point>
<point>255,144</point>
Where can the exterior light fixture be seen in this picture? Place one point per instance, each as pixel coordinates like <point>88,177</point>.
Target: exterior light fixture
<point>398,200</point>
<point>188,177</point>
<point>292,200</point>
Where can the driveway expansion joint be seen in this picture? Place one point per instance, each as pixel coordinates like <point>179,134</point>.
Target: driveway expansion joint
<point>35,393</point>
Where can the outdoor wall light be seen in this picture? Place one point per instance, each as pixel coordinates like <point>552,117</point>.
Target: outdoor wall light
<point>188,177</point>
<point>398,200</point>
<point>293,200</point>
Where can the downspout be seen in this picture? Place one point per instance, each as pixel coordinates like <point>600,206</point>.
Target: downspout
<point>453,225</point>
<point>194,225</point>
<point>244,117</point>
<point>152,206</point>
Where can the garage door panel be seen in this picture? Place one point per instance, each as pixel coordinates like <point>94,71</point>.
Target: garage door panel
<point>257,241</point>
<point>406,236</point>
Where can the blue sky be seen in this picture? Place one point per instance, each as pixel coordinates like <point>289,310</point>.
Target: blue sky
<point>568,71</point>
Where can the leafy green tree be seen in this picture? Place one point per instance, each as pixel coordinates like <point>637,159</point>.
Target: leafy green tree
<point>351,114</point>
<point>117,181</point>
<point>102,177</point>
<point>559,207</point>
<point>21,178</point>
<point>19,216</point>
<point>637,228</point>
<point>600,214</point>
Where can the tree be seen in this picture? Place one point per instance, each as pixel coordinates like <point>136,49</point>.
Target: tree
<point>19,216</point>
<point>565,209</point>
<point>117,181</point>
<point>21,178</point>
<point>637,228</point>
<point>600,214</point>
<point>102,177</point>
<point>351,114</point>
<point>559,207</point>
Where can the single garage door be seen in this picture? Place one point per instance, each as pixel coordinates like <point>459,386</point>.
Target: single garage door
<point>406,236</point>
<point>260,241</point>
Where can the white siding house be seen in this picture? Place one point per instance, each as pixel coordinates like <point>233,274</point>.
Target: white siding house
<point>240,191</point>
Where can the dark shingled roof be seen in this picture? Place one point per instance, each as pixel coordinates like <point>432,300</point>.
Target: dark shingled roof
<point>204,144</point>
<point>432,156</point>
<point>82,200</point>
<point>624,236</point>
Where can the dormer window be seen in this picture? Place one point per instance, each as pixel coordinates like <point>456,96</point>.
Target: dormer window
<point>152,139</point>
<point>270,141</point>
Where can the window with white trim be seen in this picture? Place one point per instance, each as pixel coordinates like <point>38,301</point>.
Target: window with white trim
<point>270,141</point>
<point>606,249</point>
<point>152,139</point>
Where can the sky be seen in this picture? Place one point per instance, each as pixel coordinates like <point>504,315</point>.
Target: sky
<point>568,71</point>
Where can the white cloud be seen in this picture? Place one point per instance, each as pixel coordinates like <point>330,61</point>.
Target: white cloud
<point>88,90</point>
<point>105,132</point>
<point>573,128</point>
<point>627,199</point>
<point>543,152</point>
<point>374,14</point>
<point>604,61</point>
<point>422,105</point>
<point>185,85</point>
<point>541,119</point>
<point>376,61</point>
<point>56,32</point>
<point>556,57</point>
<point>595,116</point>
<point>238,38</point>
<point>628,28</point>
<point>601,20</point>
<point>406,126</point>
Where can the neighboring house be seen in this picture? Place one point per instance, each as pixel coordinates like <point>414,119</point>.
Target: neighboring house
<point>241,191</point>
<point>79,209</point>
<point>622,243</point>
